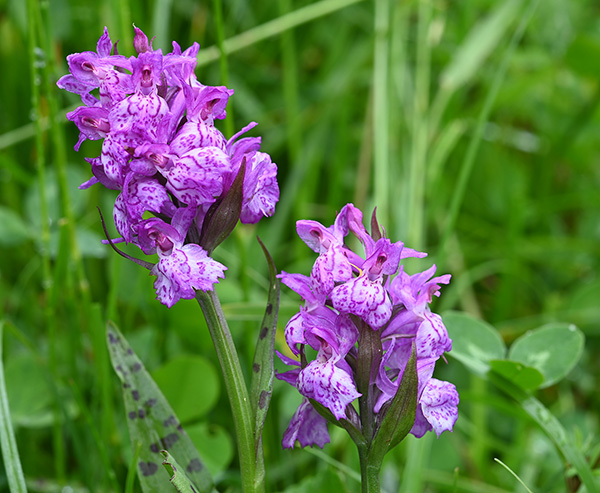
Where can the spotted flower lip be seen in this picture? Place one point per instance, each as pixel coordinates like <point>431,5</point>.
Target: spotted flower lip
<point>354,295</point>
<point>162,152</point>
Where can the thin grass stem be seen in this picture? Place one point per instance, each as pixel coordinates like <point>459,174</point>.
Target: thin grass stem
<point>469,161</point>
<point>8,443</point>
<point>274,28</point>
<point>381,110</point>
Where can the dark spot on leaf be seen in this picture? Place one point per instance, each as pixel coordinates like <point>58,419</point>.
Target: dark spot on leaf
<point>194,466</point>
<point>132,414</point>
<point>148,468</point>
<point>262,400</point>
<point>170,421</point>
<point>263,332</point>
<point>136,395</point>
<point>120,369</point>
<point>113,339</point>
<point>136,367</point>
<point>150,402</point>
<point>179,427</point>
<point>141,413</point>
<point>126,385</point>
<point>169,440</point>
<point>193,489</point>
<point>129,351</point>
<point>154,447</point>
<point>255,367</point>
<point>269,309</point>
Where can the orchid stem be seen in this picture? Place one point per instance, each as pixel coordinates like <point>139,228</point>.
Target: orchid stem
<point>369,472</point>
<point>252,469</point>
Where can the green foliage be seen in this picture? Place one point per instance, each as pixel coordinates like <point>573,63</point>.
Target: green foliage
<point>179,479</point>
<point>151,420</point>
<point>518,232</point>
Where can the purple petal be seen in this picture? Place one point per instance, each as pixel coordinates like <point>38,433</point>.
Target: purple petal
<point>197,134</point>
<point>139,114</point>
<point>185,270</point>
<point>307,426</point>
<point>294,333</point>
<point>261,191</point>
<point>364,298</point>
<point>330,267</point>
<point>196,178</point>
<point>432,337</point>
<point>439,403</point>
<point>328,385</point>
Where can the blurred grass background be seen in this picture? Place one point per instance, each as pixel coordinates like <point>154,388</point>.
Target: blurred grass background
<point>472,126</point>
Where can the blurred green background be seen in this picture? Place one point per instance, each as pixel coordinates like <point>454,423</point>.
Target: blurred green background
<point>474,129</point>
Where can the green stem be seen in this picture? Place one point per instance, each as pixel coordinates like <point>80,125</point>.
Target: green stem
<point>369,472</point>
<point>252,470</point>
<point>381,110</point>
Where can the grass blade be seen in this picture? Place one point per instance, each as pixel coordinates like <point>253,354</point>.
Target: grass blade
<point>10,454</point>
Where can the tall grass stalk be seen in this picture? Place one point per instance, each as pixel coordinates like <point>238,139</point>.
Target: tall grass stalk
<point>59,152</point>
<point>381,156</point>
<point>418,163</point>
<point>223,65</point>
<point>10,453</point>
<point>469,161</point>
<point>44,235</point>
<point>274,28</point>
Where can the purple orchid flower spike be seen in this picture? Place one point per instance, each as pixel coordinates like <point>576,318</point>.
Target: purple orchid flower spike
<point>367,320</point>
<point>162,152</point>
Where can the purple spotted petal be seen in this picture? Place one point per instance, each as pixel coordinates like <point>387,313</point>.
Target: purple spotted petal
<point>328,385</point>
<point>195,178</point>
<point>307,426</point>
<point>294,333</point>
<point>139,114</point>
<point>302,285</point>
<point>367,299</point>
<point>439,404</point>
<point>186,269</point>
<point>91,122</point>
<point>315,235</point>
<point>432,337</point>
<point>331,267</point>
<point>197,134</point>
<point>261,191</point>
<point>115,157</point>
<point>140,194</point>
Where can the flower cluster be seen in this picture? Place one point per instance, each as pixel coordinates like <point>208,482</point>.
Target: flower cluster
<point>349,298</point>
<point>182,184</point>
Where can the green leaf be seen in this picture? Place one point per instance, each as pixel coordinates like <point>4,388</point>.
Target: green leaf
<point>583,55</point>
<point>8,444</point>
<point>214,444</point>
<point>553,429</point>
<point>261,386</point>
<point>474,342</point>
<point>325,479</point>
<point>13,230</point>
<point>28,391</point>
<point>178,477</point>
<point>553,349</point>
<point>190,384</point>
<point>152,422</point>
<point>524,376</point>
<point>400,416</point>
<point>479,43</point>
